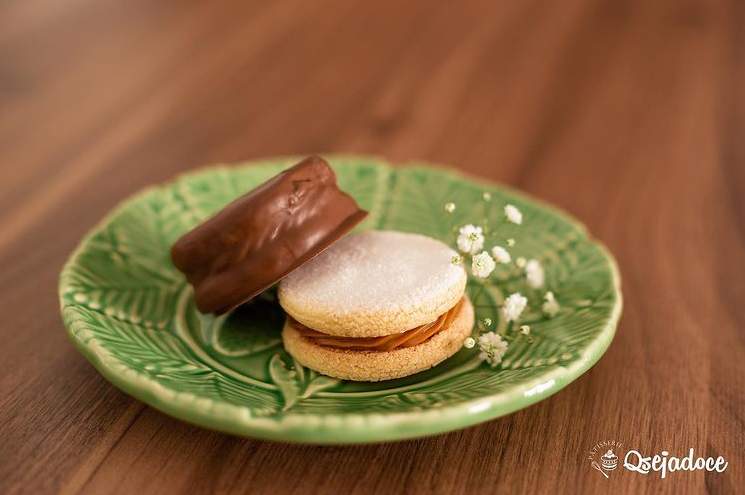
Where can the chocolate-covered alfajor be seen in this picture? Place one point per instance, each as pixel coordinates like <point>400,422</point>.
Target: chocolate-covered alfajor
<point>262,236</point>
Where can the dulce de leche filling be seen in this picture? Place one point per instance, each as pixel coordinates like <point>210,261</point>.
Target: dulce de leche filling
<point>409,338</point>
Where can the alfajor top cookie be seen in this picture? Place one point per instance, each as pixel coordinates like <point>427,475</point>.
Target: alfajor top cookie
<point>374,283</point>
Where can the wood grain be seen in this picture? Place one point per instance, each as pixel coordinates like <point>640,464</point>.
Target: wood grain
<point>630,115</point>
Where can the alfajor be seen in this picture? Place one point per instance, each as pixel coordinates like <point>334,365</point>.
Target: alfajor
<point>377,305</point>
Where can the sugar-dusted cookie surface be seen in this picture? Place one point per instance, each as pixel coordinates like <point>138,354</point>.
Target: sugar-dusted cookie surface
<point>374,366</point>
<point>374,283</point>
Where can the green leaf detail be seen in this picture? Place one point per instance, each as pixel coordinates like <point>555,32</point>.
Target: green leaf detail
<point>286,380</point>
<point>293,383</point>
<point>319,383</point>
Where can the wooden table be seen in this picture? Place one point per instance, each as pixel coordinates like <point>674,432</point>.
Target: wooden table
<point>630,115</point>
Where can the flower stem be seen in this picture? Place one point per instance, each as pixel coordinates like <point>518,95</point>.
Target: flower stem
<point>478,294</point>
<point>509,327</point>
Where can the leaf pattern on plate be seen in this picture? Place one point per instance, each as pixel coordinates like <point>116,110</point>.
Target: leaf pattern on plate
<point>130,312</point>
<point>297,384</point>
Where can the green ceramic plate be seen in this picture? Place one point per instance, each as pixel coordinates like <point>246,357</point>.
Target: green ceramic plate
<point>131,314</point>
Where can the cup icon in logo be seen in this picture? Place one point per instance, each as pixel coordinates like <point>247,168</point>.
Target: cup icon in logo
<point>609,460</point>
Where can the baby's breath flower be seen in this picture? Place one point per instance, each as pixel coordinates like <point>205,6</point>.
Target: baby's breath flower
<point>493,348</point>
<point>550,306</point>
<point>510,242</point>
<point>470,239</point>
<point>469,343</point>
<point>513,306</point>
<point>455,260</point>
<point>525,329</point>
<point>486,196</point>
<point>449,207</point>
<point>487,322</point>
<point>534,274</point>
<point>500,254</point>
<point>482,265</point>
<point>520,261</point>
<point>513,214</point>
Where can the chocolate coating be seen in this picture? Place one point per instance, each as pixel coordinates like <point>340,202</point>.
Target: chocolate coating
<point>265,234</point>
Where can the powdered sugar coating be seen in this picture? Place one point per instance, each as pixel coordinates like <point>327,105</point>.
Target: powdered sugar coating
<point>374,283</point>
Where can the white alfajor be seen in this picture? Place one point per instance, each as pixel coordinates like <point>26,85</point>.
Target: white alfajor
<point>375,306</point>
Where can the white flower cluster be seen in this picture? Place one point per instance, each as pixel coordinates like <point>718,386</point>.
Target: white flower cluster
<point>550,306</point>
<point>534,274</point>
<point>493,348</point>
<point>482,265</point>
<point>514,306</point>
<point>513,214</point>
<point>470,239</point>
<point>500,254</point>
